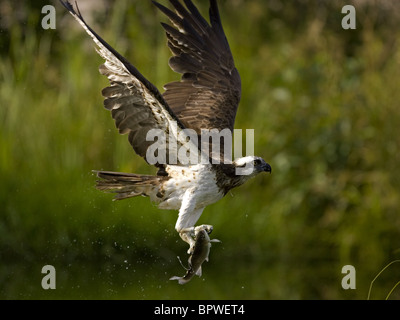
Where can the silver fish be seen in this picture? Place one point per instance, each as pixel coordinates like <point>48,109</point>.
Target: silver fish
<point>200,254</point>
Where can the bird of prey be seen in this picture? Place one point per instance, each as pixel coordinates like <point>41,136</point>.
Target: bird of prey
<point>206,98</point>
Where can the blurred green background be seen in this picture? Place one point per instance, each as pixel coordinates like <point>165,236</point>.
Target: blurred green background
<point>324,105</point>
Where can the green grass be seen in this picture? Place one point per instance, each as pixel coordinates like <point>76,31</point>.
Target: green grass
<point>324,106</point>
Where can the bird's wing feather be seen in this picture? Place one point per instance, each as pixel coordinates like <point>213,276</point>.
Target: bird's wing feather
<point>208,94</point>
<point>135,104</point>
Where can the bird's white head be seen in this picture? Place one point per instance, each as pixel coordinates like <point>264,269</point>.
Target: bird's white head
<point>250,166</point>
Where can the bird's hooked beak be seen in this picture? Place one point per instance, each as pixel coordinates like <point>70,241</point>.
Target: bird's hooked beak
<point>267,168</point>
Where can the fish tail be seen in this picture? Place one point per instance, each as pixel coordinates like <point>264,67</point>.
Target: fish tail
<point>181,280</point>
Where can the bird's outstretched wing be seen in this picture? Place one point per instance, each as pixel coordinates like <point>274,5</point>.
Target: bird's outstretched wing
<point>135,104</point>
<point>208,95</point>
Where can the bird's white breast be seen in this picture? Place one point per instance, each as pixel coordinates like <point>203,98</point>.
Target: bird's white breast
<point>199,179</point>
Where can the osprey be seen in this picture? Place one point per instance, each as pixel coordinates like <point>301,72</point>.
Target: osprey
<point>206,97</point>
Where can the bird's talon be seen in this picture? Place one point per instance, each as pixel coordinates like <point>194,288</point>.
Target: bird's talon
<point>190,250</point>
<point>208,228</point>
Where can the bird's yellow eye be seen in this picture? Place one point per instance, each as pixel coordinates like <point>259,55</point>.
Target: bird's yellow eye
<point>257,162</point>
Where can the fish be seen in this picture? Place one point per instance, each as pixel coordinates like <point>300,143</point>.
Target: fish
<point>200,254</point>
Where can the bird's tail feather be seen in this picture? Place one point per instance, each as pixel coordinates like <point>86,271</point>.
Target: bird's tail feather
<point>127,185</point>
